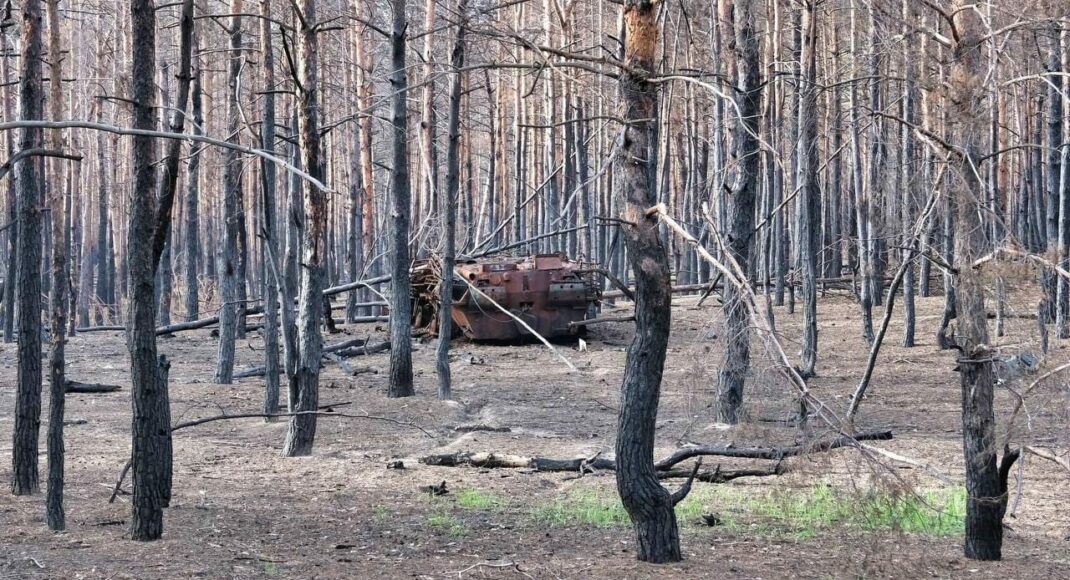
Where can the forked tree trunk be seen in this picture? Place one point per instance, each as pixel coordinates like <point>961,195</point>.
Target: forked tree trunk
<point>302,431</point>
<point>741,39</point>
<point>400,382</point>
<point>28,390</point>
<point>649,505</point>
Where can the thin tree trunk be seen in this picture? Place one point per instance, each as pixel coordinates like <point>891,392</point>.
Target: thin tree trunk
<point>268,179</point>
<point>449,210</point>
<point>60,296</point>
<point>809,205</point>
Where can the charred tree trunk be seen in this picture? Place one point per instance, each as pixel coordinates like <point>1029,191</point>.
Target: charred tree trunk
<point>400,384</point>
<point>649,505</point>
<point>268,180</point>
<point>231,273</point>
<point>191,236</point>
<point>743,44</point>
<point>967,101</point>
<point>809,218</point>
<point>28,390</point>
<point>449,210</point>
<point>151,423</point>
<point>302,431</point>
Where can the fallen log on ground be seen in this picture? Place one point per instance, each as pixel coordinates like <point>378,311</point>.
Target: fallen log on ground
<point>501,460</point>
<point>79,387</point>
<point>345,349</point>
<point>602,320</point>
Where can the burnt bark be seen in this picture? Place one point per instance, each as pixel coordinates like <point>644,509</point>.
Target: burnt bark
<point>449,210</point>
<point>649,505</point>
<point>28,390</point>
<point>302,430</point>
<point>400,383</point>
<point>738,19</point>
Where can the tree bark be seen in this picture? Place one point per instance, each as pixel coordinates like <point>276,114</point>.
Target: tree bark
<point>268,184</point>
<point>810,193</point>
<point>60,296</point>
<point>968,101</point>
<point>150,425</point>
<point>231,273</point>
<point>449,209</point>
<point>28,391</point>
<point>302,430</point>
<point>743,45</point>
<point>649,505</point>
<point>400,383</point>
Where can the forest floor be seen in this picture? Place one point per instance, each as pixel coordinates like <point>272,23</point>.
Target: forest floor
<point>241,510</point>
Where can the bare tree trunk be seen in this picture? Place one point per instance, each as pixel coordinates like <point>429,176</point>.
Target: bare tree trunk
<point>862,205</point>
<point>809,205</point>
<point>151,423</point>
<point>60,296</point>
<point>906,183</point>
<point>231,273</point>
<point>400,384</point>
<point>449,209</point>
<point>967,101</point>
<point>302,430</point>
<point>28,390</point>
<point>649,505</point>
<point>268,179</point>
<point>193,188</point>
<point>742,42</point>
<point>12,203</point>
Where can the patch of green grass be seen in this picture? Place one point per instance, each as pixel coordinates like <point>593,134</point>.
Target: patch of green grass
<point>381,514</point>
<point>801,513</point>
<point>583,507</point>
<point>475,499</point>
<point>447,522</point>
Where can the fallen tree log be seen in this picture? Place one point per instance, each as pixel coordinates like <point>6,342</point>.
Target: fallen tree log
<point>345,349</point>
<point>492,460</point>
<point>79,387</point>
<point>602,320</point>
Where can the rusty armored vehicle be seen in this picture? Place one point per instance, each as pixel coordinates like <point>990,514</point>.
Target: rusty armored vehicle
<point>548,292</point>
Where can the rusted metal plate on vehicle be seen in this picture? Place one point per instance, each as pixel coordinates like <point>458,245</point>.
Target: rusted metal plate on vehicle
<point>546,291</point>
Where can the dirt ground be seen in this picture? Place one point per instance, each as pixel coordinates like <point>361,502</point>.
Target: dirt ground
<point>240,510</point>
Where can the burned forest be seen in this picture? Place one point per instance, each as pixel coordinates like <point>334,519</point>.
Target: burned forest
<point>535,289</point>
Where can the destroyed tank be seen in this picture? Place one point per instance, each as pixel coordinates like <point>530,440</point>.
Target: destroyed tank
<point>549,292</point>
